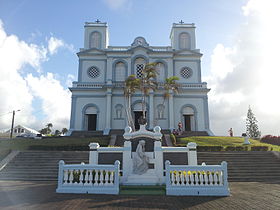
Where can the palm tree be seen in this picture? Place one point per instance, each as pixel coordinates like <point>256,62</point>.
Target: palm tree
<point>147,83</point>
<point>131,85</point>
<point>64,130</point>
<point>49,126</point>
<point>170,84</point>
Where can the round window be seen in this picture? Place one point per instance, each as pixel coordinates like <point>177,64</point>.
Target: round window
<point>93,72</point>
<point>186,72</point>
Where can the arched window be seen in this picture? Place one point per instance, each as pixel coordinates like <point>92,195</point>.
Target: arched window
<point>119,111</point>
<point>160,111</point>
<point>184,41</point>
<point>161,72</point>
<point>95,40</point>
<point>139,66</point>
<point>120,72</point>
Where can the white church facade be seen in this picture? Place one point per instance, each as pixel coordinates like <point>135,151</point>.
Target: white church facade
<point>98,97</point>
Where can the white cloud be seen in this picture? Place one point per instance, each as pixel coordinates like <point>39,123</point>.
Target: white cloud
<point>19,92</point>
<point>118,4</point>
<point>247,73</point>
<point>55,99</point>
<point>54,44</point>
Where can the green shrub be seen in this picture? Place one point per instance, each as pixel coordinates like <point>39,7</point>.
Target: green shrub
<point>259,148</point>
<point>230,148</point>
<point>173,139</point>
<point>209,148</point>
<point>239,148</point>
<point>59,148</point>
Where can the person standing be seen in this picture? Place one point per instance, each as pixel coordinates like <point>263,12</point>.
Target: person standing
<point>230,132</point>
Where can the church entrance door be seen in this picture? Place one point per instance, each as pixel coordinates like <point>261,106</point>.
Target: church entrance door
<point>92,122</point>
<point>187,122</point>
<point>137,115</point>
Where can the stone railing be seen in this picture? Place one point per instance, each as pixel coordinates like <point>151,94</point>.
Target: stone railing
<point>88,178</point>
<point>197,180</point>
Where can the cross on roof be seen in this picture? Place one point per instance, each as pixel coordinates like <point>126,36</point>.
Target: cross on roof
<point>97,21</point>
<point>181,22</point>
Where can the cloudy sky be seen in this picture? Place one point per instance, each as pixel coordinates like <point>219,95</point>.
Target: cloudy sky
<point>239,40</point>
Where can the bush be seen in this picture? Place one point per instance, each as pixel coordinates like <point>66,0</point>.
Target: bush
<point>209,148</point>
<point>259,148</point>
<point>275,140</point>
<point>59,148</point>
<point>230,148</point>
<point>173,139</point>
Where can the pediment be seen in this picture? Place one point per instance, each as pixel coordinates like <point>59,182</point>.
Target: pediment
<point>188,52</point>
<point>91,51</point>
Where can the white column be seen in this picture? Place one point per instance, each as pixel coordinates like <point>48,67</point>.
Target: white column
<point>159,161</point>
<point>151,110</point>
<point>127,161</point>
<point>192,154</point>
<point>171,112</point>
<point>93,154</point>
<point>108,111</point>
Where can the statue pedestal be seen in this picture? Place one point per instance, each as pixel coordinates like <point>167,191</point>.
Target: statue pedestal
<point>149,178</point>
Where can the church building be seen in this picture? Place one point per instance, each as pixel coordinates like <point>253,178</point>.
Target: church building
<point>98,102</point>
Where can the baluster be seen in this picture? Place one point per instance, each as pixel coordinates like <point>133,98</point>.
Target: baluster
<point>172,178</point>
<point>220,178</point>
<point>71,177</point>
<point>86,178</point>
<point>65,177</point>
<point>96,178</point>
<point>201,178</point>
<point>106,180</point>
<point>182,177</point>
<point>187,178</point>
<point>177,178</point>
<point>101,177</point>
<point>196,178</point>
<point>111,177</point>
<point>210,178</point>
<point>215,178</point>
<point>192,178</point>
<point>81,178</point>
<point>206,177</point>
<point>90,177</point>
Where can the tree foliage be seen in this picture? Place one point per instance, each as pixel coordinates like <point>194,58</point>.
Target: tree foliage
<point>252,128</point>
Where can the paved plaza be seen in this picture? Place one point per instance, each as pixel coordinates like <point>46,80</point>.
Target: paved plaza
<point>41,195</point>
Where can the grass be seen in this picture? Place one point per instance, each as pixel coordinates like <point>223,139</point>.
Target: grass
<point>142,190</point>
<point>222,141</point>
<point>25,143</point>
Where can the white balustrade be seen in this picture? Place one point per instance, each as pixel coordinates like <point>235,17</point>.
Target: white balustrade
<point>88,178</point>
<point>208,180</point>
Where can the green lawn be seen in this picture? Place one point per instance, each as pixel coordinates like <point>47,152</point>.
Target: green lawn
<point>222,141</point>
<point>26,143</point>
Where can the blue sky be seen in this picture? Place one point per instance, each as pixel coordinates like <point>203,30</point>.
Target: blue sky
<point>221,27</point>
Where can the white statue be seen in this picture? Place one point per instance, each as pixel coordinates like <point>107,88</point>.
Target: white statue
<point>140,160</point>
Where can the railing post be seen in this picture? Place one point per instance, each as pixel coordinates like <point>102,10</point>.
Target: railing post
<point>192,154</point>
<point>117,177</point>
<point>167,173</point>
<point>60,173</point>
<point>127,161</point>
<point>225,174</point>
<point>93,154</point>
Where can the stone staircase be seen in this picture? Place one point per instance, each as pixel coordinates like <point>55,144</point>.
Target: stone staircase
<point>246,166</point>
<point>40,165</point>
<point>242,166</point>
